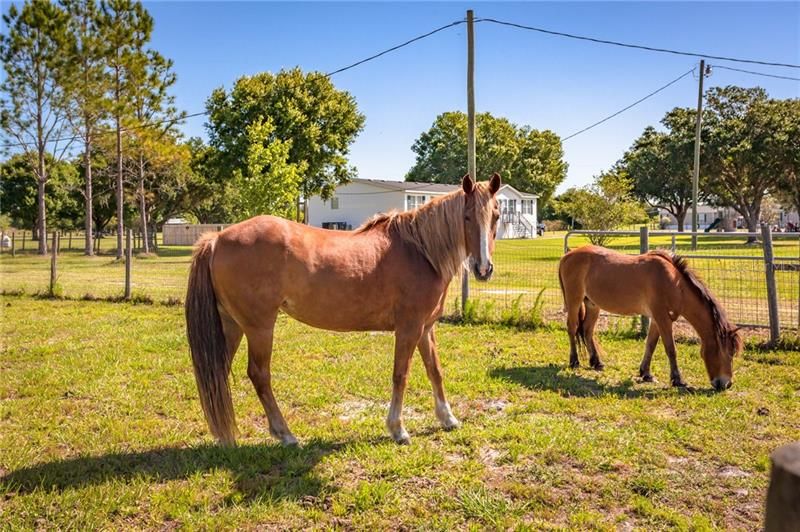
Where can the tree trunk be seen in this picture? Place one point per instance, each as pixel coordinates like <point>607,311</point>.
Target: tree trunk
<point>681,219</point>
<point>143,207</point>
<point>120,191</point>
<point>42,218</point>
<point>751,219</point>
<point>87,163</point>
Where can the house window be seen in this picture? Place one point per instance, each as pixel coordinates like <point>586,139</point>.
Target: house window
<point>512,205</point>
<point>334,203</point>
<point>527,206</point>
<point>414,201</point>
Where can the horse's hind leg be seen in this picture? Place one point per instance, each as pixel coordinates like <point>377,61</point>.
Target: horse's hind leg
<point>233,334</point>
<point>649,347</point>
<point>665,328</point>
<point>574,311</point>
<point>405,340</point>
<point>259,342</point>
<point>430,357</point>
<point>589,323</point>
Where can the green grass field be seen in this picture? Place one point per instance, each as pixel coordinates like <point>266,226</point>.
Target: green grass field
<point>100,427</point>
<point>523,269</point>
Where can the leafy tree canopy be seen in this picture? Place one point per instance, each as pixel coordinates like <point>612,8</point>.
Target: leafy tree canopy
<point>281,133</point>
<point>528,159</point>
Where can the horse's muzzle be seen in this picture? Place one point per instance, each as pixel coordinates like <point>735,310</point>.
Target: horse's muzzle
<point>482,276</point>
<point>721,384</point>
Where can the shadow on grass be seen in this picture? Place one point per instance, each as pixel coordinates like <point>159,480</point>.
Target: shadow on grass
<point>569,384</point>
<point>261,472</point>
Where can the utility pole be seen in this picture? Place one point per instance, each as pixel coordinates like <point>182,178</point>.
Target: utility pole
<point>471,161</point>
<point>696,174</point>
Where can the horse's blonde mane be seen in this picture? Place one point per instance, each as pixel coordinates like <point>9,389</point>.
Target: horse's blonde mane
<point>436,229</point>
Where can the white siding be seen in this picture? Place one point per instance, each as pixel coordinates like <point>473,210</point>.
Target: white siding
<point>357,202</point>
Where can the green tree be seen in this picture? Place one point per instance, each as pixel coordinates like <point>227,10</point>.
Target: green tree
<point>86,86</point>
<point>127,28</point>
<point>661,164</point>
<point>268,183</point>
<point>605,205</point>
<point>154,115</point>
<point>31,106</point>
<point>18,192</point>
<point>784,148</point>
<point>748,150</point>
<point>303,111</point>
<point>528,159</point>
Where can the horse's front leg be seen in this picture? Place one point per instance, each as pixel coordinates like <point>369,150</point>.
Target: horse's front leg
<point>665,328</point>
<point>649,346</point>
<point>430,357</point>
<point>405,340</point>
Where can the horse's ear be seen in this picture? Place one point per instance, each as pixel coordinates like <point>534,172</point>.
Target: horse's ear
<point>494,184</point>
<point>467,184</point>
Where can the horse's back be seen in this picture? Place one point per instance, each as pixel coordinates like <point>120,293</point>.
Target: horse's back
<point>620,283</point>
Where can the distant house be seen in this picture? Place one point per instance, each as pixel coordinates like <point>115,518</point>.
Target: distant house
<point>352,204</point>
<point>708,217</point>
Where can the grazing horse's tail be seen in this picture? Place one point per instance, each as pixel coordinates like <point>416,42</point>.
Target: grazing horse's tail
<point>212,364</point>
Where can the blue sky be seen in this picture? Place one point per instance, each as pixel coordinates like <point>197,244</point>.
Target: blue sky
<point>544,81</point>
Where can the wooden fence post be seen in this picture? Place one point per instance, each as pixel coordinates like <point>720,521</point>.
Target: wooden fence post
<point>128,255</point>
<point>14,244</point>
<point>69,245</point>
<point>644,247</point>
<point>23,240</point>
<point>54,263</point>
<point>464,290</point>
<point>772,290</point>
<point>783,495</point>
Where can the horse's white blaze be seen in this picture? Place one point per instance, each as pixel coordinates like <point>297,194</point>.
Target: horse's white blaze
<point>483,265</point>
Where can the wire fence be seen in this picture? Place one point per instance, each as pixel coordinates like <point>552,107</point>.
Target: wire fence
<point>524,288</point>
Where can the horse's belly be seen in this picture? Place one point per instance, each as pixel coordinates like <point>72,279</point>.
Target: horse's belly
<point>338,317</point>
<point>614,304</point>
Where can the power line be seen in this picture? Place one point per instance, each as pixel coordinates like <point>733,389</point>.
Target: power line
<point>637,102</point>
<point>755,73</point>
<point>109,131</point>
<point>393,48</point>
<point>329,74</point>
<point>637,46</point>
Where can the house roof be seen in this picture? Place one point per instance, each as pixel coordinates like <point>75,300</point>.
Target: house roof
<point>409,186</point>
<point>427,188</point>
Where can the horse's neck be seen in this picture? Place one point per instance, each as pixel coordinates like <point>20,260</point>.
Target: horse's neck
<point>440,232</point>
<point>697,313</point>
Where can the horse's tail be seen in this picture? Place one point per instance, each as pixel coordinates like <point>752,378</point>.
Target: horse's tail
<point>212,364</point>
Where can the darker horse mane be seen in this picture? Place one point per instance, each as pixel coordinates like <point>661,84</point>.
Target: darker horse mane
<point>436,230</point>
<point>725,332</point>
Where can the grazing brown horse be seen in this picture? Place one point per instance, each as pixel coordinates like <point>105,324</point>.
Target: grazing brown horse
<point>655,284</point>
<point>391,274</point>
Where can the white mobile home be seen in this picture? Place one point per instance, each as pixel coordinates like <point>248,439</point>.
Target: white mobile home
<point>352,204</point>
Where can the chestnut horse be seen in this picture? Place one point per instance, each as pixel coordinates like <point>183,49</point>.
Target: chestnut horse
<point>391,274</point>
<point>655,284</point>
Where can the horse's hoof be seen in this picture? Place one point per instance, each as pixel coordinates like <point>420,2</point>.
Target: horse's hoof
<point>451,423</point>
<point>647,378</point>
<point>574,364</point>
<point>679,383</point>
<point>402,438</point>
<point>598,366</point>
<point>289,441</point>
